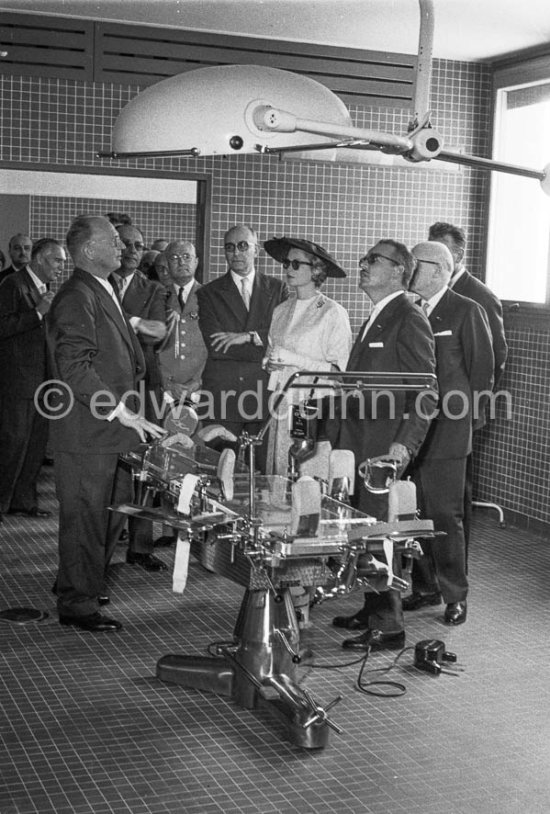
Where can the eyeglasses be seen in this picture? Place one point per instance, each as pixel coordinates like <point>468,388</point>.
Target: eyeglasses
<point>242,246</point>
<point>139,247</point>
<point>431,262</point>
<point>374,257</point>
<point>295,264</point>
<point>181,258</point>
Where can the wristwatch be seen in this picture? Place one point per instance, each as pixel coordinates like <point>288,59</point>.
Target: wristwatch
<point>251,336</point>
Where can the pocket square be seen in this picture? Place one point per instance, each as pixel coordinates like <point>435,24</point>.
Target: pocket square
<point>444,333</point>
<point>376,344</point>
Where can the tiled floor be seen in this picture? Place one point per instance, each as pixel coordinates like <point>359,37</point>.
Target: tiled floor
<point>86,727</point>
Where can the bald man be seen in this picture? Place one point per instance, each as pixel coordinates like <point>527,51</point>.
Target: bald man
<point>20,247</point>
<point>465,369</point>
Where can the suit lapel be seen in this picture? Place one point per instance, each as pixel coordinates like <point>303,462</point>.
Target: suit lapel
<point>440,311</point>
<point>30,288</point>
<point>110,308</point>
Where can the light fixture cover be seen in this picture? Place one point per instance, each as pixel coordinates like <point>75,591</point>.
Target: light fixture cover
<point>213,108</point>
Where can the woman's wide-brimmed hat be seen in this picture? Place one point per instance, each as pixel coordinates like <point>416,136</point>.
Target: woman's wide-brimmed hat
<point>278,248</point>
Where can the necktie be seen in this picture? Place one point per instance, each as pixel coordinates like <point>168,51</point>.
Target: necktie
<point>181,298</point>
<point>245,293</point>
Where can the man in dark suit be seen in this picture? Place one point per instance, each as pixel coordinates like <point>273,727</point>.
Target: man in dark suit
<point>20,247</point>
<point>464,283</point>
<point>396,338</point>
<point>144,303</point>
<point>24,301</point>
<point>464,357</point>
<point>97,361</point>
<point>234,316</point>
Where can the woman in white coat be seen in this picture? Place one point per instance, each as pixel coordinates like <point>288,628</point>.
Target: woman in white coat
<point>308,332</point>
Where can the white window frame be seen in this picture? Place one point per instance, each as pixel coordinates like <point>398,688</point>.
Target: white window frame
<point>514,75</point>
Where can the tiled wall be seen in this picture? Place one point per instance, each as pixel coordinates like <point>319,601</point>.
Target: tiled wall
<point>49,122</point>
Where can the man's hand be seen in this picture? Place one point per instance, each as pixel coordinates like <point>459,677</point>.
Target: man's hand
<point>224,339</point>
<point>151,327</point>
<point>400,454</point>
<point>45,301</point>
<point>136,422</point>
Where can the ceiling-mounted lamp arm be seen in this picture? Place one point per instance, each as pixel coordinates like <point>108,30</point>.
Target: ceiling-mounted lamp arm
<point>328,145</point>
<point>424,65</point>
<point>192,151</point>
<point>497,166</point>
<point>280,121</point>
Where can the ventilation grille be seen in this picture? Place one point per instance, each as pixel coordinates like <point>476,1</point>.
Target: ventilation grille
<point>140,55</point>
<point>38,45</point>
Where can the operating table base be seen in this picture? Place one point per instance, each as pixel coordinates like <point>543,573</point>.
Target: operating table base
<point>259,670</point>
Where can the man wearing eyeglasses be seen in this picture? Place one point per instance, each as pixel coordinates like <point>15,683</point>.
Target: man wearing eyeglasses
<point>234,315</point>
<point>465,364</point>
<point>144,302</point>
<point>182,354</point>
<point>396,338</point>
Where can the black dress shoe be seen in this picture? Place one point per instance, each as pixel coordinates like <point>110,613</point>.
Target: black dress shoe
<point>95,622</point>
<point>376,640</point>
<point>350,622</point>
<point>165,541</point>
<point>416,601</point>
<point>455,613</point>
<point>34,512</point>
<point>147,561</point>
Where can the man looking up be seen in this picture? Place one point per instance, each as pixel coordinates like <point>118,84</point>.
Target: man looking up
<point>95,354</point>
<point>235,312</point>
<point>464,361</point>
<point>24,302</point>
<point>19,248</point>
<point>464,283</point>
<point>396,338</point>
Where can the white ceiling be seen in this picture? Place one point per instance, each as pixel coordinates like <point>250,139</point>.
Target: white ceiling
<point>464,29</point>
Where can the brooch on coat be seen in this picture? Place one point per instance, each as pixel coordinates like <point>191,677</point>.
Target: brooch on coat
<point>193,315</point>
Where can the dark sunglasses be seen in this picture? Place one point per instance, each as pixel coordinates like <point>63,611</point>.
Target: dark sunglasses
<point>295,264</point>
<point>242,246</point>
<point>374,257</point>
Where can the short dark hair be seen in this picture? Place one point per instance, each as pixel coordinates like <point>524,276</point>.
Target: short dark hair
<point>119,218</point>
<point>442,229</point>
<point>42,244</point>
<point>403,257</point>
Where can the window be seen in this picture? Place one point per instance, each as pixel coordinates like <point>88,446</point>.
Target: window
<point>518,266</point>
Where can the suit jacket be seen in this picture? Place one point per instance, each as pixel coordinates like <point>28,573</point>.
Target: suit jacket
<point>6,272</point>
<point>464,364</point>
<point>221,308</point>
<point>146,299</point>
<point>93,350</point>
<point>182,354</point>
<point>469,286</point>
<point>22,336</point>
<point>400,341</point>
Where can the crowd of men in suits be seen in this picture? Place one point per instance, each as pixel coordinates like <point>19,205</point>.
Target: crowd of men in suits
<point>112,327</point>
